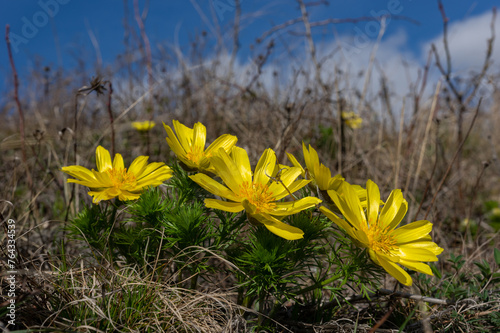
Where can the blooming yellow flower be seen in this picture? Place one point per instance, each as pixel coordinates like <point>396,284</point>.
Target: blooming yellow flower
<point>387,246</point>
<point>320,175</point>
<point>258,195</point>
<point>352,120</point>
<point>143,126</point>
<point>112,179</point>
<point>317,172</point>
<point>189,145</point>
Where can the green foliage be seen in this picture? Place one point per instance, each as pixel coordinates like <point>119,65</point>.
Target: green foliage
<point>183,188</point>
<point>492,211</point>
<point>93,224</point>
<point>326,140</point>
<point>463,284</point>
<point>169,235</point>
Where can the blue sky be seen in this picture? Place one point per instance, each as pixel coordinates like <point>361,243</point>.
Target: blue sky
<point>59,38</point>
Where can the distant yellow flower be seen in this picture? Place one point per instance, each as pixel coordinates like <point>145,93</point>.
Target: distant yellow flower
<point>258,195</point>
<point>189,145</point>
<point>112,179</point>
<point>320,175</point>
<point>352,120</point>
<point>143,126</point>
<point>387,246</point>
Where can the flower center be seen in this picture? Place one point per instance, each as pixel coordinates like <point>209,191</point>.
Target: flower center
<point>379,238</point>
<point>195,154</point>
<point>258,195</point>
<point>120,177</point>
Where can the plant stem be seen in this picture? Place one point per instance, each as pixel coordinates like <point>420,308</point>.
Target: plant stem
<point>194,281</point>
<point>320,284</point>
<point>112,221</point>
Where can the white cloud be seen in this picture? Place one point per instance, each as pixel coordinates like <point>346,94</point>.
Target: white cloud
<point>467,42</point>
<point>394,60</point>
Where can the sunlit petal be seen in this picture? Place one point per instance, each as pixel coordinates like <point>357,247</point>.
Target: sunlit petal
<point>103,159</point>
<point>213,186</point>
<point>391,213</point>
<point>396,271</point>
<point>279,228</point>
<point>265,167</point>
<point>233,207</point>
<point>373,201</point>
<point>184,134</point>
<point>414,230</point>
<point>293,207</point>
<point>417,266</point>
<point>118,162</point>
<point>227,170</point>
<point>242,162</point>
<point>225,141</point>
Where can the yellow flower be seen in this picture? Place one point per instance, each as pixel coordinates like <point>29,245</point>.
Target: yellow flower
<point>112,179</point>
<point>258,195</point>
<point>352,120</point>
<point>387,246</point>
<point>143,126</point>
<point>189,145</point>
<point>320,175</point>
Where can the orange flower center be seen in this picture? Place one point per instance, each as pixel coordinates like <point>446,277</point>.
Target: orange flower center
<point>258,195</point>
<point>195,154</point>
<point>121,178</point>
<point>380,239</point>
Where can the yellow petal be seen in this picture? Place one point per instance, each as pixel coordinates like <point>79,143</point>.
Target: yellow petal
<point>395,271</point>
<point>103,159</point>
<point>412,231</point>
<point>138,166</point>
<point>415,254</point>
<point>335,182</point>
<point>265,167</point>
<point>233,207</point>
<point>118,162</point>
<point>279,228</point>
<point>79,172</point>
<point>174,143</point>
<point>294,187</point>
<point>227,170</point>
<point>338,221</point>
<point>349,205</point>
<point>322,177</point>
<point>293,207</point>
<point>126,195</point>
<point>91,184</point>
<point>225,141</point>
<point>373,199</point>
<point>103,179</point>
<point>424,243</point>
<point>184,134</point>
<point>242,162</point>
<point>311,158</point>
<point>417,266</point>
<point>287,177</point>
<point>296,163</point>
<point>214,187</point>
<point>199,136</point>
<point>250,208</point>
<point>155,177</point>
<point>97,196</point>
<point>394,210</point>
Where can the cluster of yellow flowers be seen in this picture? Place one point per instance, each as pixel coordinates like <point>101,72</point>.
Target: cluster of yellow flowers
<point>260,193</point>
